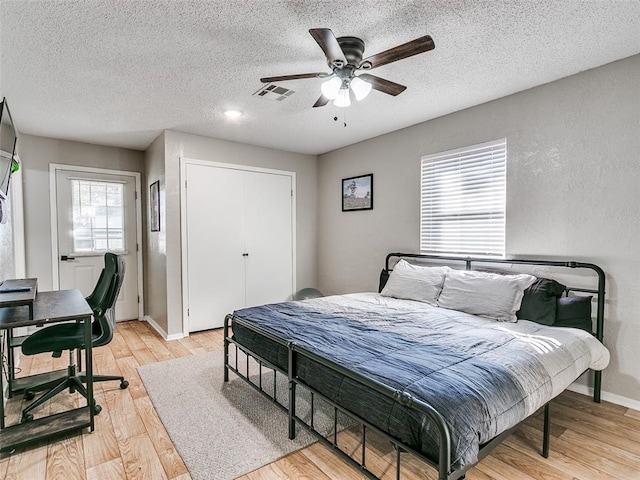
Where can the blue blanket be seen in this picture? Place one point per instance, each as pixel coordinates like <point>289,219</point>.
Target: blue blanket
<point>480,382</point>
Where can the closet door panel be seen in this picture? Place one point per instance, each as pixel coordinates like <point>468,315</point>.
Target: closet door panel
<point>269,244</point>
<point>215,237</point>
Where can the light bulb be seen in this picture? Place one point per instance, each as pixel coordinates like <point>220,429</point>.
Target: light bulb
<point>233,114</point>
<point>360,88</point>
<point>342,100</point>
<point>331,87</point>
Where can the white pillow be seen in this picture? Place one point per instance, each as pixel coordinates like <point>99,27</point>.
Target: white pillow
<point>486,294</point>
<point>412,282</point>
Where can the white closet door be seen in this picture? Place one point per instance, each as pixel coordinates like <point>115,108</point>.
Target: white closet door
<point>269,239</point>
<point>215,237</point>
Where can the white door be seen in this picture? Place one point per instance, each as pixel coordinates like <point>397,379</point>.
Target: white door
<point>97,213</point>
<point>268,238</point>
<point>215,245</point>
<point>239,241</point>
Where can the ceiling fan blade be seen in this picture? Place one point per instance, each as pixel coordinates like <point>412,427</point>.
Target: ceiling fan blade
<point>293,77</point>
<point>382,85</point>
<point>409,49</point>
<point>321,102</point>
<point>329,45</point>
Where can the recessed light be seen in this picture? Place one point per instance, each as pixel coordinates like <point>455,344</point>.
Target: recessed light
<point>233,114</point>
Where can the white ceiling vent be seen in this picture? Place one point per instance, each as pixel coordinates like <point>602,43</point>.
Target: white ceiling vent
<point>274,92</point>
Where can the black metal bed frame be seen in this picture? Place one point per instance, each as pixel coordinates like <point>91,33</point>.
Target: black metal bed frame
<point>443,465</point>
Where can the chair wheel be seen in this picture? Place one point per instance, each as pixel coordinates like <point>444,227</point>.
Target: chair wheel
<point>124,384</point>
<point>27,417</point>
<point>97,409</point>
<point>29,395</point>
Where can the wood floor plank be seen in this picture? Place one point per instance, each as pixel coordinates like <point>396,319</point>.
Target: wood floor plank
<point>140,459</point>
<point>29,463</point>
<point>113,470</point>
<point>269,472</point>
<point>521,441</point>
<point>129,368</point>
<point>171,461</point>
<point>177,349</point>
<point>65,459</point>
<point>130,336</point>
<point>144,356</point>
<point>155,344</point>
<point>124,415</point>
<point>534,466</point>
<point>299,466</point>
<point>605,457</point>
<point>118,345</point>
<point>615,434</point>
<point>184,476</point>
<point>101,445</point>
<point>192,344</point>
<point>328,462</point>
<point>630,413</point>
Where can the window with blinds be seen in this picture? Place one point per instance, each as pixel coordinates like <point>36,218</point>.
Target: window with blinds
<point>463,198</point>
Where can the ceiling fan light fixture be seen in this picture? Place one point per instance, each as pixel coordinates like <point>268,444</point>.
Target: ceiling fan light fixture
<point>360,88</point>
<point>342,100</point>
<point>233,114</point>
<point>331,87</point>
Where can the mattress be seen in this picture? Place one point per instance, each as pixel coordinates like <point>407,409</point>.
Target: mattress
<point>483,376</point>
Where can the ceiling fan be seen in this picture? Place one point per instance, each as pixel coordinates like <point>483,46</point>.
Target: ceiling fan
<point>344,57</point>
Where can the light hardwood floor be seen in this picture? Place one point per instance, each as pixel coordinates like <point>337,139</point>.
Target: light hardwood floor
<point>589,441</point>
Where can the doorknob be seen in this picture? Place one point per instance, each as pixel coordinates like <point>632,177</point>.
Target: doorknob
<point>66,258</point>
<point>245,254</point>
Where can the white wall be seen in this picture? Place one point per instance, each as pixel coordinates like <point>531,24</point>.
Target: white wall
<point>36,154</point>
<point>179,145</point>
<point>573,190</point>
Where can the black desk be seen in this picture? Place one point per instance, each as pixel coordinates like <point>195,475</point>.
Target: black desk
<point>48,307</point>
<point>16,293</point>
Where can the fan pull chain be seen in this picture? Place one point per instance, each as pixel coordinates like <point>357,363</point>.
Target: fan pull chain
<point>344,117</point>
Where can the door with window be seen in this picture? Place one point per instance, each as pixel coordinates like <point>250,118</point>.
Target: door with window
<point>97,214</point>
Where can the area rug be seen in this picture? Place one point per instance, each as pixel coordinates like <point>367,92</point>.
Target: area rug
<point>220,430</point>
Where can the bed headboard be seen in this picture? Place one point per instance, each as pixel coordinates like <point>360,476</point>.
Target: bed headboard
<point>471,263</point>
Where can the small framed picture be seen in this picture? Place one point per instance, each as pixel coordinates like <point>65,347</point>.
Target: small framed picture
<point>154,206</point>
<point>357,193</point>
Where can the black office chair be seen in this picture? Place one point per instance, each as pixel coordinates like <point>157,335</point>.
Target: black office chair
<point>70,336</point>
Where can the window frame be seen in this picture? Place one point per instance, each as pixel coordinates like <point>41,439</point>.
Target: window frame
<point>452,221</point>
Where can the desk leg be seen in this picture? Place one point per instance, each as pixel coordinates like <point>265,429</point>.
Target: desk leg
<point>2,342</point>
<point>89,369</point>
<point>10,362</point>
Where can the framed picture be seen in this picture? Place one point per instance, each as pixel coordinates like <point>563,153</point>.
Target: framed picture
<point>357,193</point>
<point>154,206</point>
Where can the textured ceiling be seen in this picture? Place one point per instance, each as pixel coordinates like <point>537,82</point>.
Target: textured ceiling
<point>119,72</point>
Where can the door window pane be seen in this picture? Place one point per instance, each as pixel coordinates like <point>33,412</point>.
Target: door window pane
<point>98,216</point>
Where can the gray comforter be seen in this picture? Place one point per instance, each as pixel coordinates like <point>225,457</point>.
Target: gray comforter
<point>483,376</point>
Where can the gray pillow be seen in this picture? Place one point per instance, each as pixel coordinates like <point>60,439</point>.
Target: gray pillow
<point>485,294</point>
<point>414,282</point>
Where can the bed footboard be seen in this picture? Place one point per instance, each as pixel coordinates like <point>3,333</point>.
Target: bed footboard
<point>443,463</point>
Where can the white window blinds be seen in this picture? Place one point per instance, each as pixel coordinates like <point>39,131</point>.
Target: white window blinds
<point>463,196</point>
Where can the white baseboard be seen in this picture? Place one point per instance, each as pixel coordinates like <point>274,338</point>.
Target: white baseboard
<point>607,396</point>
<point>160,330</point>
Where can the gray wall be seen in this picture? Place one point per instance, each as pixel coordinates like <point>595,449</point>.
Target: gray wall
<point>179,145</point>
<point>36,154</point>
<point>155,251</point>
<point>573,190</point>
